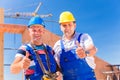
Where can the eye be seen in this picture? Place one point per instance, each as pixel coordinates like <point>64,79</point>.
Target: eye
<point>39,30</point>
<point>34,30</point>
<point>64,25</point>
<point>70,24</point>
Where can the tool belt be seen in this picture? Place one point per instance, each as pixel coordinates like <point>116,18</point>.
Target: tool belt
<point>50,76</point>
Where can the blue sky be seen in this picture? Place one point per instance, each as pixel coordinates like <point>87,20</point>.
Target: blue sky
<point>99,18</point>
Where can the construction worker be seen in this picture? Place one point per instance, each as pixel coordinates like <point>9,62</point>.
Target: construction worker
<point>29,55</point>
<point>74,52</point>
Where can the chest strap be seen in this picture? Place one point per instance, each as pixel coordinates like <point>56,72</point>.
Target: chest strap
<point>32,50</point>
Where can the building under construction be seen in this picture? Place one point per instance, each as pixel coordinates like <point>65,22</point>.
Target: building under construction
<point>103,69</point>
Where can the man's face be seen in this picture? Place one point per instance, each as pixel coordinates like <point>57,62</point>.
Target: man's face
<point>68,28</point>
<point>36,32</point>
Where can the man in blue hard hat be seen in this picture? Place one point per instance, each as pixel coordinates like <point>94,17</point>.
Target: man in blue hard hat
<point>26,57</point>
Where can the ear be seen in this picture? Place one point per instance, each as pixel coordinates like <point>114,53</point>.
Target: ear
<point>28,29</point>
<point>44,30</point>
<point>75,25</point>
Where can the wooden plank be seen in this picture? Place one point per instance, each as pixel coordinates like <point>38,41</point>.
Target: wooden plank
<point>1,15</point>
<point>12,28</point>
<point>1,57</point>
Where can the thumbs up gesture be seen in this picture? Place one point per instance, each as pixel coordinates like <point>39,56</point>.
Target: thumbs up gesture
<point>25,63</point>
<point>79,51</point>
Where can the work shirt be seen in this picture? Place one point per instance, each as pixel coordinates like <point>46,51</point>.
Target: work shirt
<point>85,42</point>
<point>22,51</point>
<point>34,71</point>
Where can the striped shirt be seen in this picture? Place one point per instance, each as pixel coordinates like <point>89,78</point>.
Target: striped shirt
<point>22,52</point>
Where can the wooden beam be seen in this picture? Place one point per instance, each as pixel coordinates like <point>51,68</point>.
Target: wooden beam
<point>1,56</point>
<point>1,46</point>
<point>1,15</point>
<point>12,28</point>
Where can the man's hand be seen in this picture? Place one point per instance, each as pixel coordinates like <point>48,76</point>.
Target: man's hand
<point>80,52</point>
<point>59,75</point>
<point>25,63</point>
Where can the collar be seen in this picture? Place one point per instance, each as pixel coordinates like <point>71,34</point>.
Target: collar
<point>63,37</point>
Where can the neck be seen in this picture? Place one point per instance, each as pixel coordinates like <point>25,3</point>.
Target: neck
<point>69,37</point>
<point>37,42</point>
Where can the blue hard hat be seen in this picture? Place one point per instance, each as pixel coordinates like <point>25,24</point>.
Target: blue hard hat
<point>36,21</point>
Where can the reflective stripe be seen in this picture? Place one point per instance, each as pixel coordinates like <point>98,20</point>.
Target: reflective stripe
<point>29,72</point>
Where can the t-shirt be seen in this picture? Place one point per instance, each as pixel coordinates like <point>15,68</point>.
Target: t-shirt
<point>85,42</point>
<point>22,52</point>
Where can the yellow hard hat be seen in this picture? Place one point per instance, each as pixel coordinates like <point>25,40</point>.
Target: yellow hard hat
<point>66,17</point>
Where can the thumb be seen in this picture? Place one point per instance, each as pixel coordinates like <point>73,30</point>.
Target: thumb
<point>27,54</point>
<point>78,44</point>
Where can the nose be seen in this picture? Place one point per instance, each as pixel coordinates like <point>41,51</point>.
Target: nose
<point>67,27</point>
<point>36,32</point>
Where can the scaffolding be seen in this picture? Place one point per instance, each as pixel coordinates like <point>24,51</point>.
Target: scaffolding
<point>114,74</point>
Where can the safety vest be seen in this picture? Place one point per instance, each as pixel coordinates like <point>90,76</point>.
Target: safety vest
<point>38,73</point>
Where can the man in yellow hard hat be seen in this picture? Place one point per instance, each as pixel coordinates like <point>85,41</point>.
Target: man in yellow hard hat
<point>74,52</point>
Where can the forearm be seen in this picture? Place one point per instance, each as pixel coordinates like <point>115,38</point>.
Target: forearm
<point>92,51</point>
<point>15,68</point>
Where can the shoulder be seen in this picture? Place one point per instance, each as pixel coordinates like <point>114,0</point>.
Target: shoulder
<point>56,44</point>
<point>84,36</point>
<point>22,49</point>
<point>48,46</point>
<point>87,37</point>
